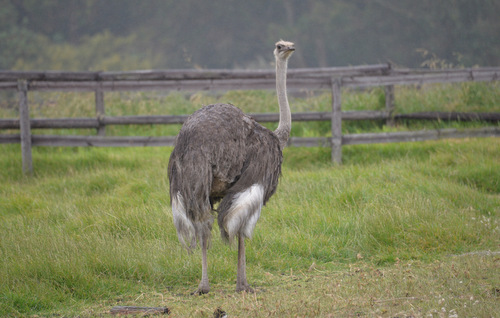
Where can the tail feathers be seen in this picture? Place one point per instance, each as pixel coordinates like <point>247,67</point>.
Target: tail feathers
<point>189,231</point>
<point>191,178</point>
<point>239,213</point>
<point>185,228</point>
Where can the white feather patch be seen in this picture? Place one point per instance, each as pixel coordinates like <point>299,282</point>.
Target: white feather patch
<point>244,212</point>
<point>184,226</point>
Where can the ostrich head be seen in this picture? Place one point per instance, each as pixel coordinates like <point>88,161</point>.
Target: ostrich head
<point>283,50</point>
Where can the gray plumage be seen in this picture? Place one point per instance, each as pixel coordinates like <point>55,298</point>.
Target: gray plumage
<point>220,152</point>
<point>223,155</point>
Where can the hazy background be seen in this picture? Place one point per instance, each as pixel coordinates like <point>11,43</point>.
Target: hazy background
<point>152,34</point>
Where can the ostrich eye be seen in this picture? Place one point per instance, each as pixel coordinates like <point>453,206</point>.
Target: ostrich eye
<point>279,47</point>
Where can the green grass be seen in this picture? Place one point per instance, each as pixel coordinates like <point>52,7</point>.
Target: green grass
<point>92,229</point>
<point>461,97</point>
<point>377,236</point>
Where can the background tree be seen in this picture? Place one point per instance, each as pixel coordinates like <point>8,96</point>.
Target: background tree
<point>126,34</point>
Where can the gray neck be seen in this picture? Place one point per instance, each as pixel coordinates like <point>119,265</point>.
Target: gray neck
<point>285,124</point>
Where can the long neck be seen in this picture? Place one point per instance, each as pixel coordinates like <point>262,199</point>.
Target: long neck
<point>285,123</point>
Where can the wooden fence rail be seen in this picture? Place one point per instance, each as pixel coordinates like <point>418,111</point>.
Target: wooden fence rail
<point>195,80</point>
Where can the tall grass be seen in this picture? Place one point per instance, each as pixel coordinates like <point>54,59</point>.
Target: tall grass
<point>461,97</point>
<point>94,224</point>
<point>92,228</point>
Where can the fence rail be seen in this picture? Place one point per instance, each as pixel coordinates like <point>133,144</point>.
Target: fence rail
<point>90,123</point>
<point>197,80</point>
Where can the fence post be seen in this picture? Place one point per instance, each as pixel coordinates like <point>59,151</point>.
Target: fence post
<point>99,109</point>
<point>25,127</point>
<point>336,121</point>
<point>389,100</point>
<point>389,105</point>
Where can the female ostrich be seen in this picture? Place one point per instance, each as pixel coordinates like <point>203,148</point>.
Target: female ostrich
<point>223,155</point>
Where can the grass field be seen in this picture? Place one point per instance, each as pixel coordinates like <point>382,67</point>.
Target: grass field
<point>408,229</point>
<point>93,229</point>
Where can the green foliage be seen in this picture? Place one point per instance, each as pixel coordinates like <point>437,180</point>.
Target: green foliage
<point>117,35</point>
<point>102,51</point>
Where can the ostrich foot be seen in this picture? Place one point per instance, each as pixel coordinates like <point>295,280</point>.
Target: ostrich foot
<point>202,289</point>
<point>244,288</point>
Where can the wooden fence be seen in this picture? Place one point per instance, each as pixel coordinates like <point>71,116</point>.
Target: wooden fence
<point>198,80</point>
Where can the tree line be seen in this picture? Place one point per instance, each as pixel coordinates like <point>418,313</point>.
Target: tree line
<point>166,34</point>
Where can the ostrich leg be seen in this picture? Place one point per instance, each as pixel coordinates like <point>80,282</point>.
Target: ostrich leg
<point>241,280</point>
<point>203,287</point>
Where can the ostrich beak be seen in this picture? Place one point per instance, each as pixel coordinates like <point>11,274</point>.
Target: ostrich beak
<point>289,50</point>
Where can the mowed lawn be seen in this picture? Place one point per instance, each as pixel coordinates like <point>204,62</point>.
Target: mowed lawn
<point>408,229</point>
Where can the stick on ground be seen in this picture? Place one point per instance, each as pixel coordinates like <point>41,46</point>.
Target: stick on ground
<point>130,310</point>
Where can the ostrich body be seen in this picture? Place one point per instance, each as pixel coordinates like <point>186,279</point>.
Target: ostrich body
<point>222,155</point>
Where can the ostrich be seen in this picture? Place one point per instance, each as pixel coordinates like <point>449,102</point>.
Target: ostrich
<point>223,155</point>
